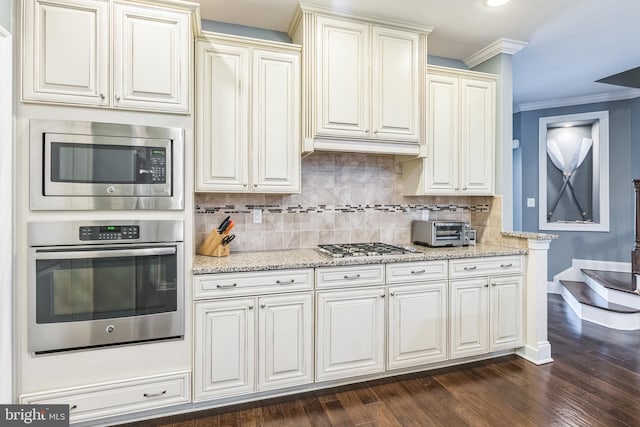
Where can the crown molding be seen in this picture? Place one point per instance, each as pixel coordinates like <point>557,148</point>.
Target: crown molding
<point>578,100</point>
<point>508,46</point>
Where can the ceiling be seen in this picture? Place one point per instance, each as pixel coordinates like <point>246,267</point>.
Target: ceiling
<point>571,43</point>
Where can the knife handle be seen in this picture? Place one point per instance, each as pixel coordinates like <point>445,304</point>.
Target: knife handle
<point>212,241</point>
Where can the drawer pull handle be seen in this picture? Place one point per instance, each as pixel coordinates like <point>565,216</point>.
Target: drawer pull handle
<point>286,282</point>
<point>155,394</point>
<point>418,271</point>
<point>352,277</point>
<point>71,408</point>
<point>506,265</point>
<point>227,286</point>
<point>470,268</point>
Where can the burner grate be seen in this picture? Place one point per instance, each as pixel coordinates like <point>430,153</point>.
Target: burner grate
<point>343,250</point>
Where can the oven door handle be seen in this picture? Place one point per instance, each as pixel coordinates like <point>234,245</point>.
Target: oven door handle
<point>115,253</point>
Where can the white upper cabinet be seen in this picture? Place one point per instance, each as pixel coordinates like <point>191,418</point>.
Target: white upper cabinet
<point>343,83</point>
<point>460,137</point>
<point>247,115</point>
<point>363,83</point>
<point>66,51</point>
<point>69,57</point>
<point>151,56</point>
<point>395,85</point>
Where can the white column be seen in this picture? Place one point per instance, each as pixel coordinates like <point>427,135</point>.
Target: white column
<point>536,345</point>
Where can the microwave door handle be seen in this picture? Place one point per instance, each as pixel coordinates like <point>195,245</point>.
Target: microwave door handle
<point>116,253</point>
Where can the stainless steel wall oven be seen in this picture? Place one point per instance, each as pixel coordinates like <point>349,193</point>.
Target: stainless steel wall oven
<point>78,165</point>
<point>97,283</point>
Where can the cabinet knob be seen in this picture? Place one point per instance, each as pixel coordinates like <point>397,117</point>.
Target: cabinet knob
<point>102,96</point>
<point>72,407</point>
<point>382,296</point>
<point>375,132</point>
<point>250,307</point>
<point>464,188</point>
<point>255,185</point>
<point>244,185</point>
<point>456,188</point>
<point>117,97</point>
<point>263,305</point>
<point>392,294</point>
<point>493,284</point>
<point>486,285</point>
<point>366,130</point>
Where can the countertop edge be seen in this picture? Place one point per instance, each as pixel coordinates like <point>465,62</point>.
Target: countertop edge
<point>529,235</point>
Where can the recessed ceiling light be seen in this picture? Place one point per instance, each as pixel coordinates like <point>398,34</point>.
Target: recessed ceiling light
<point>496,3</point>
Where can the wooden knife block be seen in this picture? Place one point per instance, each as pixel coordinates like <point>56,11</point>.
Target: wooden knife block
<point>212,245</point>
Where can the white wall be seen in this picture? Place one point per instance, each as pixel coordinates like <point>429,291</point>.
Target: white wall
<point>6,197</point>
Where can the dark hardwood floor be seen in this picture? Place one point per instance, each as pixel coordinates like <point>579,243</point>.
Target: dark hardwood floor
<point>593,381</point>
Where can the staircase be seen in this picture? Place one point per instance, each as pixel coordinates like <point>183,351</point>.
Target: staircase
<point>603,297</point>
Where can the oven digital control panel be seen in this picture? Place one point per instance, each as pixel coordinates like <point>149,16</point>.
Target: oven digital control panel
<point>110,232</point>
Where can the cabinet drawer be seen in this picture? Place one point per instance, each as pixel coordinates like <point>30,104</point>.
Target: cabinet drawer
<point>416,271</point>
<point>251,283</point>
<point>361,275</point>
<point>120,397</point>
<point>471,267</point>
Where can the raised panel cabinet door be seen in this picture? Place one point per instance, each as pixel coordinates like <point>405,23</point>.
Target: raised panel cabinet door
<point>222,117</point>
<point>224,348</point>
<point>343,78</point>
<point>395,85</point>
<point>417,328</point>
<point>276,122</point>
<point>285,330</point>
<point>151,58</point>
<point>468,317</point>
<point>66,51</point>
<point>349,333</point>
<point>477,139</point>
<point>442,135</point>
<point>506,313</point>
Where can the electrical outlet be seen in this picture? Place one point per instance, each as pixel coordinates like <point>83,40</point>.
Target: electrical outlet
<point>531,202</point>
<point>425,215</point>
<point>257,216</point>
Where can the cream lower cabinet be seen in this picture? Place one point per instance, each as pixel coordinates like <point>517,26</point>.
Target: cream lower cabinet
<point>244,345</point>
<point>118,397</point>
<point>486,305</point>
<point>417,325</point>
<point>247,116</point>
<point>460,137</point>
<point>67,57</point>
<point>350,338</point>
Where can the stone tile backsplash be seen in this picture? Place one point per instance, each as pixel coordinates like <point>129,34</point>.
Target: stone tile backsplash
<point>345,198</point>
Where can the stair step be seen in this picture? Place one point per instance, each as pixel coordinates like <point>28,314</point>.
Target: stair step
<point>616,280</point>
<point>585,295</point>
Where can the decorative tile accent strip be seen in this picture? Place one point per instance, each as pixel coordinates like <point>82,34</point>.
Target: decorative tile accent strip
<point>237,209</point>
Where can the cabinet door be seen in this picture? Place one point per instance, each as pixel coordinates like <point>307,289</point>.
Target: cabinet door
<point>66,52</point>
<point>224,348</point>
<point>342,62</point>
<point>222,119</point>
<point>285,328</point>
<point>506,312</point>
<point>349,333</point>
<point>442,135</point>
<point>417,328</point>
<point>395,85</point>
<point>469,305</point>
<point>477,139</point>
<point>276,122</point>
<point>151,58</point>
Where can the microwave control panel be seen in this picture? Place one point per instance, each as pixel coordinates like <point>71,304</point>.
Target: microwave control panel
<point>110,232</point>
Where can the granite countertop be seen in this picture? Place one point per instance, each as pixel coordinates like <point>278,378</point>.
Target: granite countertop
<point>310,258</point>
<point>529,235</point>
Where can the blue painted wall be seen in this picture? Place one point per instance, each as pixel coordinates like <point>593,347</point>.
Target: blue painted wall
<point>624,166</point>
<point>245,31</point>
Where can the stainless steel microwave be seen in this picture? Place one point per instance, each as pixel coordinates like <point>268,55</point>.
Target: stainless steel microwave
<point>89,166</point>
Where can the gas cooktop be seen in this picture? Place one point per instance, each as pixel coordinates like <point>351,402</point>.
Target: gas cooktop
<point>343,250</point>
